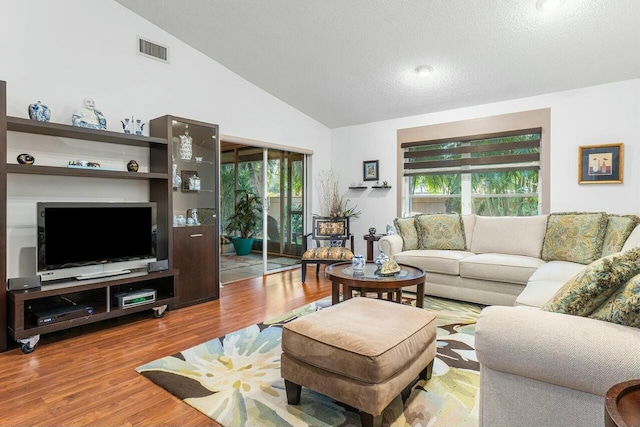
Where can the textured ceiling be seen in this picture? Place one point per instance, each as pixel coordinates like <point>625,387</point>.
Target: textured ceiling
<point>346,62</point>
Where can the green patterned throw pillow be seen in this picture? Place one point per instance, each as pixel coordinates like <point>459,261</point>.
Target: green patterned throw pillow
<point>623,307</point>
<point>440,231</point>
<point>407,230</point>
<point>587,290</point>
<point>619,227</point>
<point>575,237</point>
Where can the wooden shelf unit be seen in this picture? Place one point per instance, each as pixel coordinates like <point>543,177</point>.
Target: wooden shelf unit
<point>15,306</point>
<point>98,294</point>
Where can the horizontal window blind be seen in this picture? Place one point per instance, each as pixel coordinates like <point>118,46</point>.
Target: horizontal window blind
<point>494,152</point>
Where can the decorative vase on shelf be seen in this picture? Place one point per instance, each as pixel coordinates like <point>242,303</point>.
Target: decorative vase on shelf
<point>194,183</point>
<point>139,127</point>
<point>176,178</point>
<point>26,159</point>
<point>39,112</point>
<point>132,166</point>
<point>186,146</point>
<point>126,125</point>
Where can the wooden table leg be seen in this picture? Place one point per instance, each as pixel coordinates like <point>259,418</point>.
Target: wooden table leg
<point>420,295</point>
<point>335,292</point>
<point>347,292</point>
<point>369,249</point>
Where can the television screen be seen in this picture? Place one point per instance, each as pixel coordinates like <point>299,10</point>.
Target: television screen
<point>83,234</point>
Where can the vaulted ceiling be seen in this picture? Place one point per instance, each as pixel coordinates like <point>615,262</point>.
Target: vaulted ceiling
<point>346,62</point>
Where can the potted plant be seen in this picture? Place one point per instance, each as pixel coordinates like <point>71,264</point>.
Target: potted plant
<point>244,221</point>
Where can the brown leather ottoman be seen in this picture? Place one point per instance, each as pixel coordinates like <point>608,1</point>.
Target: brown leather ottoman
<point>362,352</point>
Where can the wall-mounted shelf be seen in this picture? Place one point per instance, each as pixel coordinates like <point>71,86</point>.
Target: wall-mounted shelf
<point>381,186</point>
<point>18,124</point>
<point>94,173</point>
<point>358,188</point>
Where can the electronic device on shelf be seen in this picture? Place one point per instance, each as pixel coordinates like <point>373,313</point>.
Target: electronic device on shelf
<point>54,315</point>
<point>86,240</point>
<point>135,298</point>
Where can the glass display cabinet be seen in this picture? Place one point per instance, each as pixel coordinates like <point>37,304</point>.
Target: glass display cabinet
<point>194,203</point>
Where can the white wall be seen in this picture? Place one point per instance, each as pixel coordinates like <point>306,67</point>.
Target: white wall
<point>594,115</point>
<point>61,52</point>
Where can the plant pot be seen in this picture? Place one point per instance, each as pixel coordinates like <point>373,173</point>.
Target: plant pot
<point>242,246</point>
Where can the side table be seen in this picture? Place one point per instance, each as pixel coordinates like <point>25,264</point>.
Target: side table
<point>622,405</point>
<point>370,238</point>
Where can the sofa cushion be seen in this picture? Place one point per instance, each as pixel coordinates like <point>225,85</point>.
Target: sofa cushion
<point>623,306</point>
<point>583,293</point>
<point>546,281</point>
<point>440,231</point>
<point>499,267</point>
<point>619,227</point>
<point>575,237</point>
<point>515,235</point>
<point>406,229</point>
<point>434,261</point>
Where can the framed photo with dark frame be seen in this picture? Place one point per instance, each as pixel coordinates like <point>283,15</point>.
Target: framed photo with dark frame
<point>370,170</point>
<point>601,164</point>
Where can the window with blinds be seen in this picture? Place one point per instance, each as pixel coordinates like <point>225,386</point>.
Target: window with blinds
<point>491,174</point>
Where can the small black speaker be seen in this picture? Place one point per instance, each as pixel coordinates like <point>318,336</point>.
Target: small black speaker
<point>161,265</point>
<point>21,283</point>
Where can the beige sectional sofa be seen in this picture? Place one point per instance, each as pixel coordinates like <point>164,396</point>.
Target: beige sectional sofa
<point>537,368</point>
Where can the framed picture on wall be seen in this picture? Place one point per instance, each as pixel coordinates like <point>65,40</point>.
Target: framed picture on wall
<point>601,164</point>
<point>370,170</point>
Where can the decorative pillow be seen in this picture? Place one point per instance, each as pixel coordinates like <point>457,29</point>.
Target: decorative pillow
<point>440,231</point>
<point>619,228</point>
<point>623,306</point>
<point>406,228</point>
<point>575,237</point>
<point>584,292</point>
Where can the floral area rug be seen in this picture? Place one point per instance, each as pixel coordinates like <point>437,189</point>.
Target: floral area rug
<point>235,379</point>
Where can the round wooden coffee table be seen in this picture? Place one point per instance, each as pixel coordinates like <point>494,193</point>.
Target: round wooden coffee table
<point>370,281</point>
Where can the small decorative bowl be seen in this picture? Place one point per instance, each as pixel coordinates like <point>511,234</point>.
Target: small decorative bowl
<point>26,159</point>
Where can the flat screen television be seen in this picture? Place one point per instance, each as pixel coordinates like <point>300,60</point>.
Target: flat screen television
<point>90,240</point>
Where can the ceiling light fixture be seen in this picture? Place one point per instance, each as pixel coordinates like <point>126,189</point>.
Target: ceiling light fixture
<point>548,4</point>
<point>424,70</point>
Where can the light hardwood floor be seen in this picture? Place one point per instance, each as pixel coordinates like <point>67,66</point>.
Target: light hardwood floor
<point>87,377</point>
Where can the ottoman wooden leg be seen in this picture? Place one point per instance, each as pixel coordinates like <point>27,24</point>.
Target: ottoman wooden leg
<point>293,392</point>
<point>368,420</point>
<point>304,271</point>
<point>425,374</point>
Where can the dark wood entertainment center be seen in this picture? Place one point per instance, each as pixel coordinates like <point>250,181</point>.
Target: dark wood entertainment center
<point>17,307</point>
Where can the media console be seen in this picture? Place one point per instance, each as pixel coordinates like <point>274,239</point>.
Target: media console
<point>61,305</point>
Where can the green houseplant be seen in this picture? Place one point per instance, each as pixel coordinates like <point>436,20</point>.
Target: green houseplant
<point>244,220</point>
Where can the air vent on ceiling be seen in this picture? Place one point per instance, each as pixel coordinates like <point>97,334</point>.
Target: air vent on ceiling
<point>153,50</point>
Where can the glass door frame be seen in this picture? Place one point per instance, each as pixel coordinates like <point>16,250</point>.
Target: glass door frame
<point>305,153</point>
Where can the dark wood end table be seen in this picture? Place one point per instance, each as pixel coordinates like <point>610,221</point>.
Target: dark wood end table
<point>370,238</point>
<point>342,274</point>
<point>622,405</point>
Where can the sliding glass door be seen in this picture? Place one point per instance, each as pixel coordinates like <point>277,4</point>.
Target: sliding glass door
<point>284,208</point>
<point>277,177</point>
